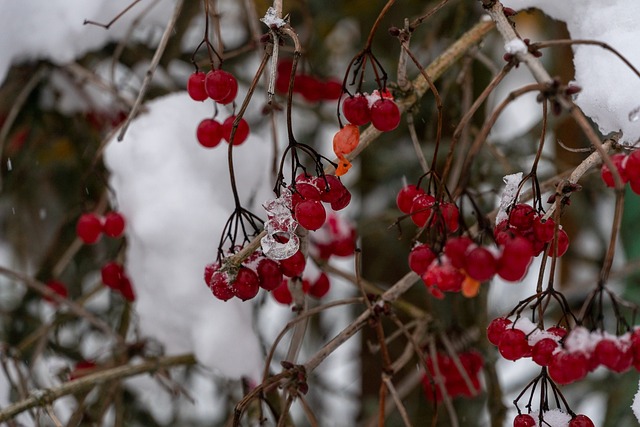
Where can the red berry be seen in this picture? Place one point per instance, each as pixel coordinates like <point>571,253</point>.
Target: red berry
<point>331,188</point>
<point>517,254</point>
<point>563,244</point>
<point>269,274</point>
<point>521,217</point>
<point>385,115</point>
<point>514,345</point>
<point>421,209</point>
<point>195,86</point>
<point>480,264</point>
<point>343,201</point>
<point>420,258</point>
<point>209,133</point>
<point>309,87</point>
<point>567,367</point>
<point>294,265</point>
<point>543,231</point>
<point>542,351</point>
<point>456,249</point>
<point>558,331</point>
<point>304,191</point>
<point>246,285</point>
<point>445,277</point>
<point>496,329</point>
<point>608,353</point>
<point>220,287</point>
<point>220,85</point>
<point>113,225</point>
<point>524,420</point>
<point>242,132</point>
<point>450,215</point>
<point>112,274</point>
<point>282,294</point>
<point>405,197</point>
<point>310,214</point>
<point>126,289</point>
<point>89,228</point>
<point>331,91</point>
<point>581,421</point>
<point>320,287</point>
<point>209,271</point>
<point>619,162</point>
<point>356,110</point>
<point>57,287</point>
<point>632,166</point>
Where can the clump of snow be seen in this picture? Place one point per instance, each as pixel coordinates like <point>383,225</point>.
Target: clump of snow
<point>553,418</point>
<point>508,195</point>
<point>176,197</point>
<point>635,406</point>
<point>271,19</point>
<point>515,46</point>
<point>609,88</point>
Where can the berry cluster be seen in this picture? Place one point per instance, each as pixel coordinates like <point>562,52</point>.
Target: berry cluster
<point>90,226</point>
<point>378,108</point>
<point>316,288</point>
<point>554,417</point>
<point>454,381</point>
<point>115,278</point>
<point>311,88</point>
<point>628,167</point>
<point>308,195</point>
<point>222,87</point>
<point>569,356</point>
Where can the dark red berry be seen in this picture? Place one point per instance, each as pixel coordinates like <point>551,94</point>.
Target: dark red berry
<point>421,209</point>
<point>304,191</point>
<point>456,249</point>
<point>450,215</point>
<point>220,286</point>
<point>331,91</point>
<point>294,265</point>
<point>385,115</point>
<point>113,225</point>
<point>619,161</point>
<point>310,214</point>
<point>521,217</point>
<point>320,287</point>
<point>405,197</point>
<point>195,86</point>
<point>524,420</point>
<point>112,274</point>
<point>568,367</point>
<point>356,110</point>
<point>480,264</point>
<point>562,244</point>
<point>331,188</point>
<point>246,285</point>
<point>58,287</point>
<point>496,329</point>
<point>542,351</point>
<point>632,166</point>
<point>343,201</point>
<point>517,254</point>
<point>219,85</point>
<point>126,289</point>
<point>282,294</point>
<point>420,258</point>
<point>514,345</point>
<point>269,274</point>
<point>242,132</point>
<point>209,133</point>
<point>581,421</point>
<point>89,228</point>
<point>543,230</point>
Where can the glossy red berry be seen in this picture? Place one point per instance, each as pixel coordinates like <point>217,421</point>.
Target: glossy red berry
<point>450,215</point>
<point>524,420</point>
<point>581,421</point>
<point>562,243</point>
<point>114,224</point>
<point>480,264</point>
<point>195,86</point>
<point>405,197</point>
<point>385,115</point>
<point>269,274</point>
<point>209,133</point>
<point>320,287</point>
<point>246,285</point>
<point>517,254</point>
<point>343,201</point>
<point>420,258</point>
<point>242,132</point>
<point>112,274</point>
<point>543,230</point>
<point>356,110</point>
<point>568,367</point>
<point>294,265</point>
<point>282,294</point>
<point>310,214</point>
<point>619,161</point>
<point>542,351</point>
<point>421,209</point>
<point>221,86</point>
<point>513,345</point>
<point>456,250</point>
<point>496,329</point>
<point>304,191</point>
<point>444,277</point>
<point>331,188</point>
<point>521,217</point>
<point>89,228</point>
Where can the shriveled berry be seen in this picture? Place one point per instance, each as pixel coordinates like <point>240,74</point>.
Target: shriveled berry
<point>242,132</point>
<point>294,265</point>
<point>113,225</point>
<point>246,285</point>
<point>320,287</point>
<point>385,115</point>
<point>209,133</point>
<point>346,139</point>
<point>310,214</point>
<point>524,420</point>
<point>356,110</point>
<point>195,86</point>
<point>89,228</point>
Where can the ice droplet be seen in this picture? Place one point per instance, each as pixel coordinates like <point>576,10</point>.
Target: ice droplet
<point>279,251</point>
<point>634,115</point>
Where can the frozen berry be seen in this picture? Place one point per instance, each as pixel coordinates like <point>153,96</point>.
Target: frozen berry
<point>542,351</point>
<point>114,224</point>
<point>242,132</point>
<point>385,115</point>
<point>220,287</point>
<point>209,133</point>
<point>195,86</point>
<point>89,228</point>
<point>521,217</point>
<point>356,110</point>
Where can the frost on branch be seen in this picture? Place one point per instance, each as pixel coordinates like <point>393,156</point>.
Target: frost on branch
<point>271,19</point>
<point>509,195</point>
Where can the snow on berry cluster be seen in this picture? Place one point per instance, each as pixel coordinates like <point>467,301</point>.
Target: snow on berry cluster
<point>91,226</point>
<point>552,418</point>
<point>379,109</point>
<point>628,167</point>
<point>454,381</point>
<point>222,87</point>
<point>311,88</point>
<point>568,355</point>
